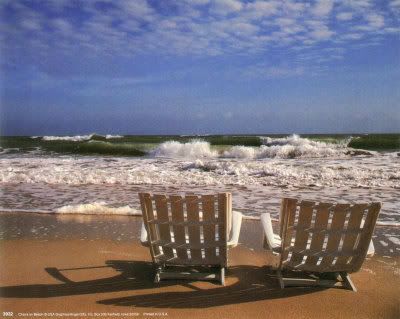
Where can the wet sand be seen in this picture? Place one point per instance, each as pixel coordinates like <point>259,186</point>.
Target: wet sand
<point>92,265</point>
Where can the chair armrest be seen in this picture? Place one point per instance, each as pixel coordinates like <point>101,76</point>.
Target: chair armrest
<point>143,236</point>
<point>271,240</point>
<point>236,226</point>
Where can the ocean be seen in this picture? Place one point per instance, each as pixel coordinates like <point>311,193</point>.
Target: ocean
<point>102,174</point>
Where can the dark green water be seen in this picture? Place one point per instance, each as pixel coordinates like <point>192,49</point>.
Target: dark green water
<point>140,145</point>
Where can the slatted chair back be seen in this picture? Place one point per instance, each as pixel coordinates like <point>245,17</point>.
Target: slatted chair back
<point>325,237</point>
<point>190,230</point>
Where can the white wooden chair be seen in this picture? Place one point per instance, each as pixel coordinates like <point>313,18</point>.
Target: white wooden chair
<point>189,231</point>
<point>321,240</point>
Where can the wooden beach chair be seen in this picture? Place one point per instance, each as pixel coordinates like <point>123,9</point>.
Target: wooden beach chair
<point>187,232</point>
<point>320,241</point>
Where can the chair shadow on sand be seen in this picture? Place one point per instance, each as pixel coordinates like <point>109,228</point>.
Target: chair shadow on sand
<point>252,284</point>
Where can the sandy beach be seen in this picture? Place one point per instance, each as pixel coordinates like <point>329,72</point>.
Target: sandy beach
<point>84,266</point>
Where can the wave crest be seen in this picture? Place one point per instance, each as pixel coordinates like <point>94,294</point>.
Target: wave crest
<point>289,147</point>
<point>295,146</point>
<point>194,149</point>
<point>97,208</point>
<point>77,138</point>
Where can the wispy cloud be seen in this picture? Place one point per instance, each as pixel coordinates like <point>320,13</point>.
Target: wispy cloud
<point>344,16</point>
<point>224,7</point>
<point>202,28</point>
<point>322,8</point>
<point>266,71</point>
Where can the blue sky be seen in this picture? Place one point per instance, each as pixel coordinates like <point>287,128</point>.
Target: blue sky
<point>199,66</point>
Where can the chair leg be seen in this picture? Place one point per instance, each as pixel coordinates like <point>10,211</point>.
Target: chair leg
<point>315,281</point>
<point>162,273</point>
<point>157,276</point>
<point>348,283</point>
<point>280,278</point>
<point>222,276</point>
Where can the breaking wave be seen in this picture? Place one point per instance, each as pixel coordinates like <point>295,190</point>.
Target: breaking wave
<point>77,138</point>
<point>289,147</point>
<point>97,208</point>
<point>194,149</point>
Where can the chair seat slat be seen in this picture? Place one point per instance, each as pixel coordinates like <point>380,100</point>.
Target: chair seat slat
<point>189,262</point>
<point>338,219</point>
<point>208,206</point>
<point>192,207</point>
<point>185,223</point>
<point>309,252</point>
<point>328,231</point>
<point>195,246</point>
<point>303,224</point>
<point>164,229</point>
<point>319,231</point>
<point>178,226</point>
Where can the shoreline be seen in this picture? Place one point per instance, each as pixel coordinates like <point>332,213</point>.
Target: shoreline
<point>49,212</point>
<point>251,200</point>
<point>49,226</point>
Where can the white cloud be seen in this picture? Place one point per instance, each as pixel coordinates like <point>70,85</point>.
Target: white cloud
<point>392,30</point>
<point>375,20</point>
<point>352,36</point>
<point>285,21</point>
<point>267,71</point>
<point>243,28</point>
<point>296,7</point>
<point>224,7</point>
<point>136,8</point>
<point>344,16</point>
<point>322,8</point>
<point>198,2</point>
<point>358,4</point>
<point>262,8</point>
<point>395,5</point>
<point>31,24</point>
<point>61,25</point>
<point>322,33</point>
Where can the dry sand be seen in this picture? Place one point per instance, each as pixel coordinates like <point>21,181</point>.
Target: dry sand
<point>95,267</point>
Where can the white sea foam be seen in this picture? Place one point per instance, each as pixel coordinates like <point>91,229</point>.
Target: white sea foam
<point>288,147</point>
<point>76,138</point>
<point>366,172</point>
<point>8,150</point>
<point>295,146</point>
<point>194,149</point>
<point>244,152</point>
<point>97,208</point>
<point>295,139</point>
<point>394,240</point>
<point>387,223</point>
<point>383,243</point>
